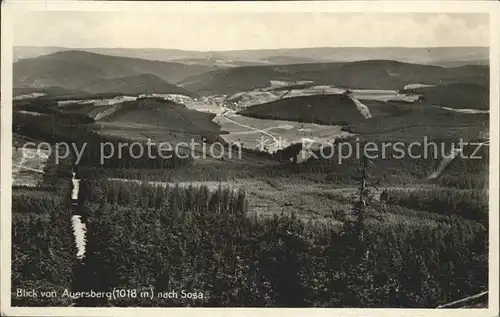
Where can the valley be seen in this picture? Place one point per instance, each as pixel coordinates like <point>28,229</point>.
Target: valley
<point>247,186</point>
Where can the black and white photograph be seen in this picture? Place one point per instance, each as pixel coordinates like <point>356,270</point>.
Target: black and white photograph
<point>212,156</point>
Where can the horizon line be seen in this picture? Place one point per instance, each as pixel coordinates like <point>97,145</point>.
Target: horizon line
<point>252,49</point>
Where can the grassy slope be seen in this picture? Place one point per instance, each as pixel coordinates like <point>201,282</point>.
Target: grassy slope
<point>322,109</point>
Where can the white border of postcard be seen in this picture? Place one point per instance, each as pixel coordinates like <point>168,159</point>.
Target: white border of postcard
<point>11,8</point>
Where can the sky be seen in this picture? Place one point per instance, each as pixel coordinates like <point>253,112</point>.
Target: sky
<point>249,30</point>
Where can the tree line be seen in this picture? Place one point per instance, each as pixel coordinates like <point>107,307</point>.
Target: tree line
<point>200,240</point>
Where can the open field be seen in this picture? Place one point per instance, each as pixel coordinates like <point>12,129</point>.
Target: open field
<point>387,107</point>
<point>28,165</point>
<point>276,134</point>
<point>316,201</point>
<point>166,121</point>
<point>268,94</point>
<point>267,198</point>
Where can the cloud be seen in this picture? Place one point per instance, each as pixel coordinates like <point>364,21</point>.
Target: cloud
<point>222,31</point>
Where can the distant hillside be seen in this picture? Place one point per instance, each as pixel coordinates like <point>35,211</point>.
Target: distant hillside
<point>457,95</point>
<point>321,109</point>
<point>431,55</point>
<point>284,60</point>
<point>393,120</point>
<point>53,90</point>
<point>23,52</point>
<point>76,69</point>
<point>218,62</point>
<point>135,85</point>
<point>233,80</point>
<point>420,55</point>
<point>155,54</point>
<point>404,121</point>
<point>372,74</point>
<point>165,120</point>
<point>458,63</point>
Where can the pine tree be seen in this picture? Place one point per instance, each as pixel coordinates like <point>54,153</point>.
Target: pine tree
<point>356,265</point>
<point>360,206</point>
